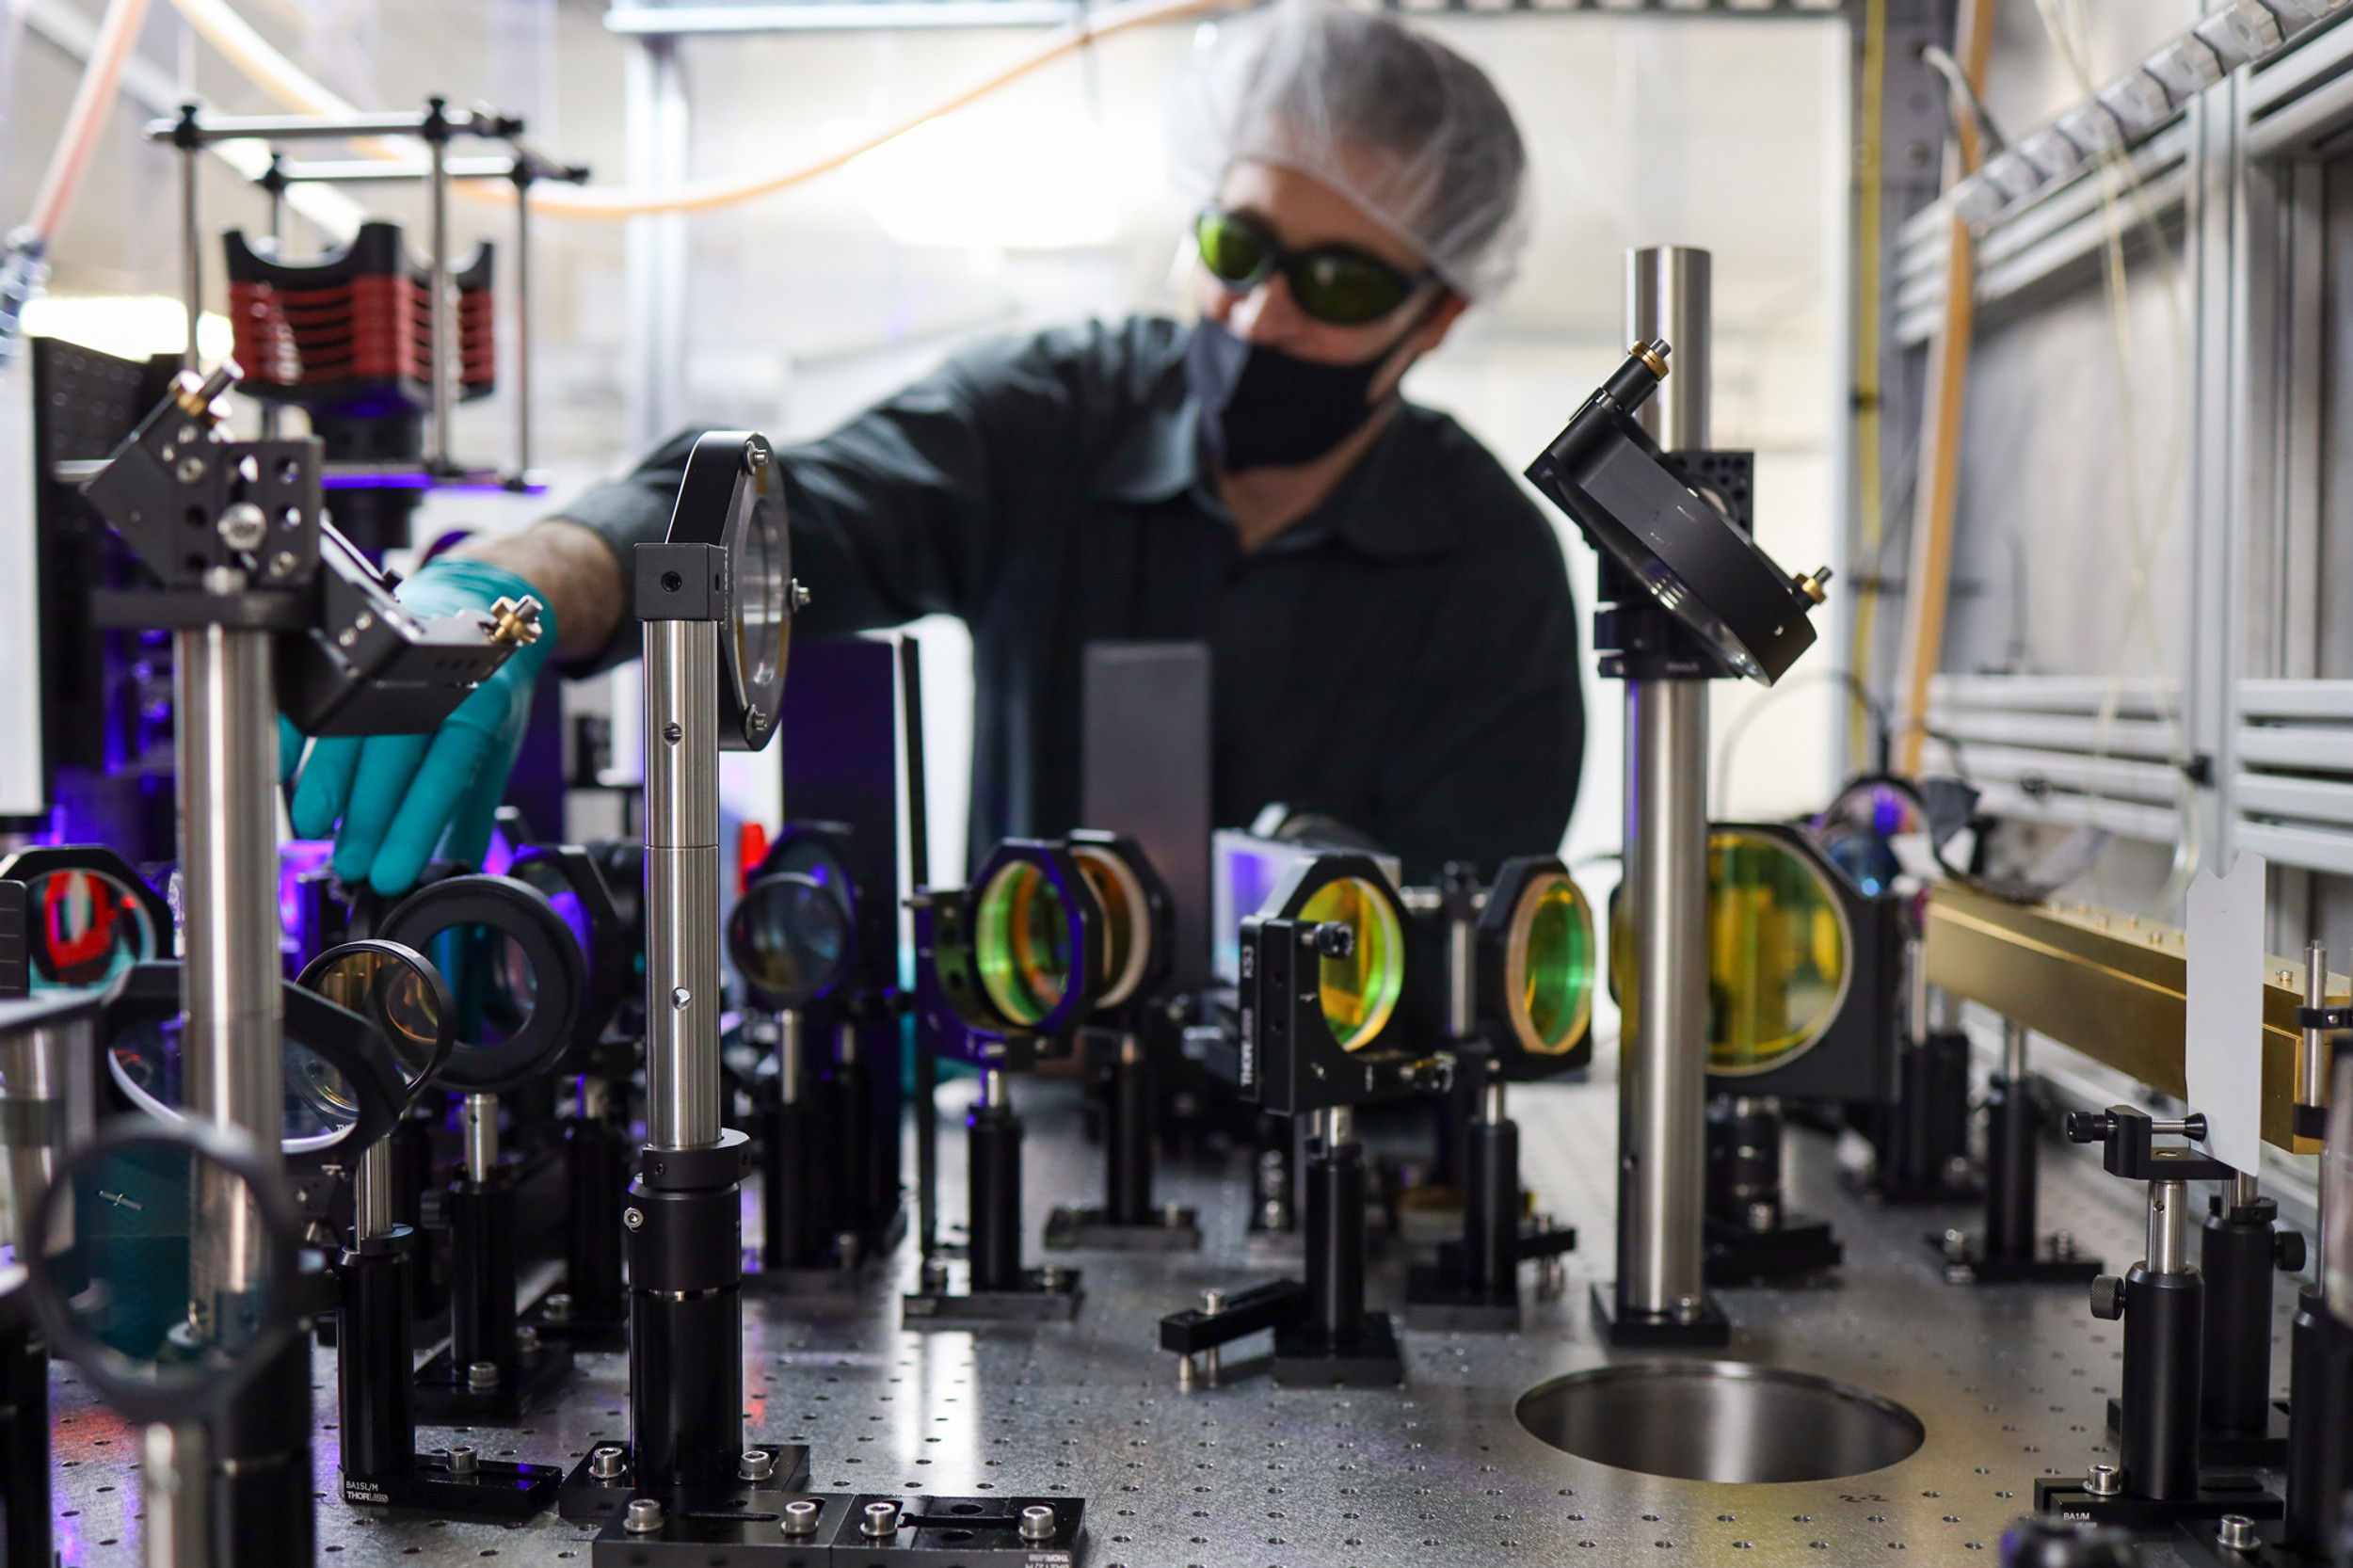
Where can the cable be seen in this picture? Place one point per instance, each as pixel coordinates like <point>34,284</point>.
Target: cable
<point>1860,694</point>
<point>283,79</point>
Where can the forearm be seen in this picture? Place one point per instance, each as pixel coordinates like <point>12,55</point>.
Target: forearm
<point>572,569</point>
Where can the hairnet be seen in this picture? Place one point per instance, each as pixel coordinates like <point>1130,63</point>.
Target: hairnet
<point>1403,126</point>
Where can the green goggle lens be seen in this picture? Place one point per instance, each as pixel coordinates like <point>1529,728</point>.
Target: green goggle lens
<point>1023,943</point>
<point>1358,992</point>
<point>1330,283</point>
<point>1777,953</point>
<point>1553,957</point>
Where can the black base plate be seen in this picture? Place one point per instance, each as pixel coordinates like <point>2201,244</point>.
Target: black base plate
<point>495,1489</point>
<point>1039,1303</point>
<point>2221,1494</point>
<point>1090,1230</point>
<point>1304,1359</point>
<point>442,1398</point>
<point>1971,1267</point>
<point>2196,1547</point>
<point>2232,1451</point>
<point>1630,1331</point>
<point>581,1334</point>
<point>584,1499</point>
<point>1435,1304</point>
<point>977,1532</point>
<point>1798,1248</point>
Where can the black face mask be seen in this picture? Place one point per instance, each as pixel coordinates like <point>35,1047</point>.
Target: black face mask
<point>1262,408</point>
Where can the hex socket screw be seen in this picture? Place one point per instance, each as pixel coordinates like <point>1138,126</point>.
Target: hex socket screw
<point>2235,1532</point>
<point>1038,1523</point>
<point>644,1517</point>
<point>462,1460</point>
<point>481,1375</point>
<point>756,1465</point>
<point>2104,1480</point>
<point>881,1521</point>
<point>608,1463</point>
<point>800,1517</point>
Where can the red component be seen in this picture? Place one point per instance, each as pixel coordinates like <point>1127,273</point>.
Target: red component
<point>752,848</point>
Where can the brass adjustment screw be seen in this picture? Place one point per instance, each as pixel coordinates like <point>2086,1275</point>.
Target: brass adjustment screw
<point>514,621</point>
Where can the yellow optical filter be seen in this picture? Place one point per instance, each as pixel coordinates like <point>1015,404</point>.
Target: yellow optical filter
<point>1023,943</point>
<point>1779,952</point>
<point>1126,921</point>
<point>1548,966</point>
<point>1358,992</point>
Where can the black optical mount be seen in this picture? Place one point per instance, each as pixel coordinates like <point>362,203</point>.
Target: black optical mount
<point>2010,1252</point>
<point>955,1017</point>
<point>1122,1044</point>
<point>1752,1236</point>
<point>2240,1245</point>
<point>2156,1482</point>
<point>1475,1284</point>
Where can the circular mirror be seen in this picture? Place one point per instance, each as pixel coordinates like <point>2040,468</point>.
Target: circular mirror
<point>1127,920</point>
<point>1778,953</point>
<point>1548,965</point>
<point>1022,939</point>
<point>762,569</point>
<point>319,1099</point>
<point>397,990</point>
<point>167,1267</point>
<point>1358,991</point>
<point>87,927</point>
<point>790,938</point>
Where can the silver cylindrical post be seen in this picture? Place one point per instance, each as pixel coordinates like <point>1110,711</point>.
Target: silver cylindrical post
<point>445,336</point>
<point>2013,1050</point>
<point>1336,1126</point>
<point>992,1086</point>
<point>191,253</point>
<point>1915,989</point>
<point>372,1211</point>
<point>47,1106</point>
<point>1663,1038</point>
<point>790,1055</point>
<point>522,327</point>
<point>1662,1084</point>
<point>2169,1227</point>
<point>682,884</point>
<point>2313,1081</point>
<point>1493,1108</point>
<point>1460,979</point>
<point>2240,1191</point>
<point>174,1485</point>
<point>480,1117</point>
<point>232,1015</point>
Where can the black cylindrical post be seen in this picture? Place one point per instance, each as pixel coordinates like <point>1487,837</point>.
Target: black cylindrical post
<point>25,1529</point>
<point>375,1359</point>
<point>2235,1257</point>
<point>1128,1138</point>
<point>482,1274</point>
<point>784,1205</point>
<point>685,1226</point>
<point>596,1168</point>
<point>1335,1238</point>
<point>261,1456</point>
<point>993,1142</point>
<point>2011,1169</point>
<point>1744,1164</point>
<point>2157,1432</point>
<point>1491,1208</point>
<point>2320,1425</point>
<point>849,1144</point>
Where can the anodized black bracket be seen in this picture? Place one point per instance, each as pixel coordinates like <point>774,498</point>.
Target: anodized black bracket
<point>1252,1311</point>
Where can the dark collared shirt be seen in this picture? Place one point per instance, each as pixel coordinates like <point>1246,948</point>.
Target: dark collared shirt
<point>1405,658</point>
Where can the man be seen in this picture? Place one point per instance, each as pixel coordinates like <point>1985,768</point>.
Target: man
<point>1393,640</point>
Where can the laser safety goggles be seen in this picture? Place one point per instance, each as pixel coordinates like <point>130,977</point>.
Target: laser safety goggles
<point>1332,283</point>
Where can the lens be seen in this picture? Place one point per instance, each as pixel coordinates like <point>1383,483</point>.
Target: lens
<point>397,996</point>
<point>1023,942</point>
<point>790,938</point>
<point>1359,991</point>
<point>1126,921</point>
<point>809,858</point>
<point>87,928</point>
<point>1777,953</point>
<point>164,1280</point>
<point>1549,965</point>
<point>1346,290</point>
<point>319,1104</point>
<point>490,982</point>
<point>1232,251</point>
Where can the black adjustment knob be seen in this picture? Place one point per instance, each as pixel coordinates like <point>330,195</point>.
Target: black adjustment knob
<point>2108,1297</point>
<point>2287,1251</point>
<point>1335,939</point>
<point>2089,1126</point>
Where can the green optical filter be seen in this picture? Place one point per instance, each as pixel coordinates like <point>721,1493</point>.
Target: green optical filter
<point>1036,927</point>
<point>1779,953</point>
<point>1539,960</point>
<point>1358,989</point>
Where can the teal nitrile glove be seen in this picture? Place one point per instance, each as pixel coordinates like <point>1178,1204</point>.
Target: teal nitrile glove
<point>396,795</point>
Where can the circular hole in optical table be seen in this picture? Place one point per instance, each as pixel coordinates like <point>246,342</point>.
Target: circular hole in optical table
<point>1719,1421</point>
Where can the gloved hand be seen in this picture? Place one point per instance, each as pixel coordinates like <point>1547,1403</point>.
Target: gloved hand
<point>395,795</point>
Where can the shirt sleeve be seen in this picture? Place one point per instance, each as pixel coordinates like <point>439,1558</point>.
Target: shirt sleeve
<point>909,509</point>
